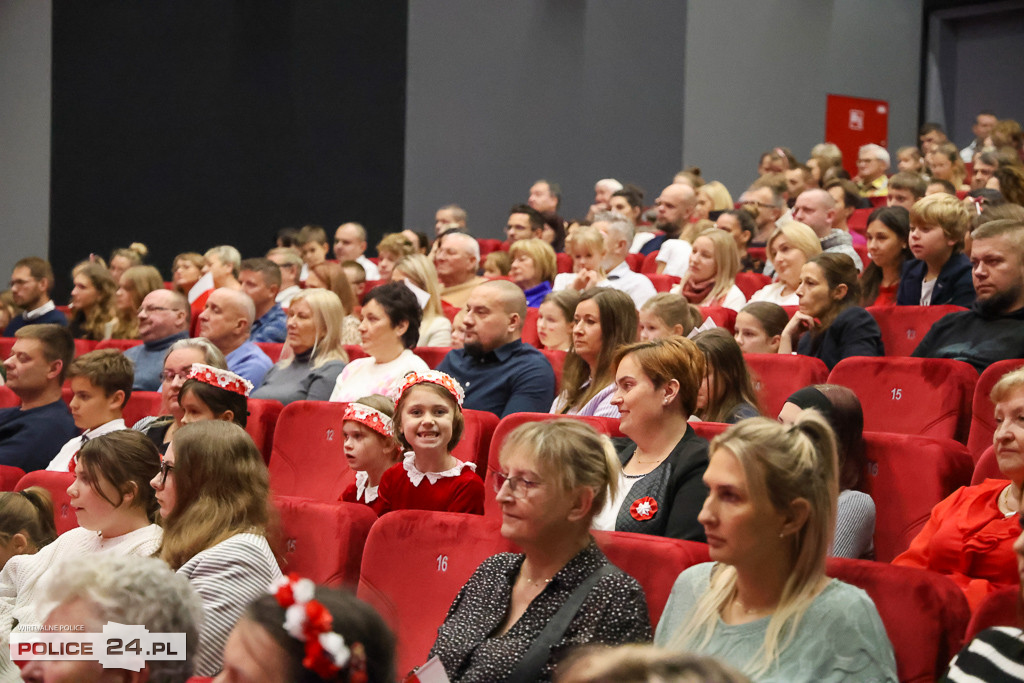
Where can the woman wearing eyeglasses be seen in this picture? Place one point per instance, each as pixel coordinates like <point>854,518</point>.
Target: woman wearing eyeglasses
<point>177,364</point>
<point>555,476</point>
<point>213,492</point>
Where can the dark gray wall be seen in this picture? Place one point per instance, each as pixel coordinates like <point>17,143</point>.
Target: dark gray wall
<point>757,75</point>
<point>24,131</point>
<point>501,94</point>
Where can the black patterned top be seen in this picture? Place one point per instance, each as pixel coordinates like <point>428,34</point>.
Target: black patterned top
<point>614,613</point>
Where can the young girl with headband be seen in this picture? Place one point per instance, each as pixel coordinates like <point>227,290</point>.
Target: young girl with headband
<point>430,424</point>
<point>210,393</point>
<point>370,447</point>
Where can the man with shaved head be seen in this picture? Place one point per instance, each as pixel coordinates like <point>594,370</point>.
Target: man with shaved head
<point>226,322</point>
<point>675,206</point>
<point>457,259</point>
<point>500,373</point>
<point>816,208</point>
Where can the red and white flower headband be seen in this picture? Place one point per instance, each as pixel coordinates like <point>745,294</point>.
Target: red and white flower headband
<point>308,621</point>
<point>370,417</point>
<point>222,379</point>
<point>433,377</point>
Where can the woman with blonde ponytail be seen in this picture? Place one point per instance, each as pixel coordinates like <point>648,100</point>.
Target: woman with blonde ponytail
<point>764,604</point>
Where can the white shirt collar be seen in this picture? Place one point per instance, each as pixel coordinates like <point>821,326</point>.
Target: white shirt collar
<point>42,310</point>
<point>415,476</point>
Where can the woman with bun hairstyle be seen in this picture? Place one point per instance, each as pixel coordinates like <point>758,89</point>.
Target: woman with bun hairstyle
<point>123,259</point>
<point>26,522</point>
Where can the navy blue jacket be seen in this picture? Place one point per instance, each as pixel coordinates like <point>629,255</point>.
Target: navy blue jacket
<point>953,286</point>
<point>853,333</point>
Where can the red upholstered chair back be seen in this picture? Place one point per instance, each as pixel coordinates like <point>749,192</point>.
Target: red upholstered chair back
<point>308,460</point>
<point>8,399</point>
<point>906,477</point>
<point>777,376</point>
<point>662,282</point>
<point>263,416</point>
<point>6,344</point>
<point>141,404</point>
<point>10,476</point>
<point>450,311</point>
<point>983,421</point>
<point>636,262</point>
<point>475,444</point>
<point>924,613</point>
<point>84,346</point>
<point>604,425</point>
<point>557,360</point>
<point>903,327</point>
<point>650,264</point>
<point>751,282</point>
<point>489,244</point>
<point>323,541</point>
<point>999,608</point>
<point>57,484</point>
<point>530,328</point>
<point>858,221</point>
<point>439,551</point>
<point>564,262</point>
<point>926,396</point>
<point>432,355</point>
<point>355,351</point>
<point>723,317</point>
<point>272,349</point>
<point>709,430</point>
<point>987,467</point>
<point>119,344</point>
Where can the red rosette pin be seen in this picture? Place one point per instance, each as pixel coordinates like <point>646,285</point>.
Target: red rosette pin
<point>643,509</point>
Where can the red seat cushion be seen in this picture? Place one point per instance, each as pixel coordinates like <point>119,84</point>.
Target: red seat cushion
<point>983,420</point>
<point>57,484</point>
<point>308,460</point>
<point>776,376</point>
<point>903,327</point>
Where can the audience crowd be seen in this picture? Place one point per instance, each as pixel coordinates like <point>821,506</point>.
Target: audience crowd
<point>647,318</point>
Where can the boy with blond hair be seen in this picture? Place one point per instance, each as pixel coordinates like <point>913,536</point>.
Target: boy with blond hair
<point>939,273</point>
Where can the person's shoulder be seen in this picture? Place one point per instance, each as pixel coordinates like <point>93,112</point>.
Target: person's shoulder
<point>696,577</point>
<point>856,315</point>
<point>238,548</point>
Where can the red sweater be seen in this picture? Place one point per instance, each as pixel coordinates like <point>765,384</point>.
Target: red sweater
<point>454,492</point>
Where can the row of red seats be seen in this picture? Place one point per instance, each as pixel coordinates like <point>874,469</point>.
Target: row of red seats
<point>340,544</point>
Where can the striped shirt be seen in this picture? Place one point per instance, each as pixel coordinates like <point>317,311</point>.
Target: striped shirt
<point>227,578</point>
<point>994,656</point>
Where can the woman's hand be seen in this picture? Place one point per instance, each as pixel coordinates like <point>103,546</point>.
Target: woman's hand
<point>797,325</point>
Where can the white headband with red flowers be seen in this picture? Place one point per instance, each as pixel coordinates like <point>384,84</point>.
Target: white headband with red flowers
<point>433,377</point>
<point>309,622</point>
<point>370,417</point>
<point>222,379</point>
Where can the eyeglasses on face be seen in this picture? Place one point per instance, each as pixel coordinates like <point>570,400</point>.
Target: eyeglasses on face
<point>517,486</point>
<point>165,467</point>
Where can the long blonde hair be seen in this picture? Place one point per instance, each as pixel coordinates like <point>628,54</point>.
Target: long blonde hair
<point>222,487</point>
<point>782,464</point>
<point>328,316</point>
<point>727,263</point>
<point>421,271</point>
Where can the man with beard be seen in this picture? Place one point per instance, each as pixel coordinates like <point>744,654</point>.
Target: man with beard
<point>993,329</point>
<point>500,373</point>
<point>675,206</point>
<point>31,281</point>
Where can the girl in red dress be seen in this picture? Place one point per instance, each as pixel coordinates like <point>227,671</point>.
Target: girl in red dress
<point>370,447</point>
<point>429,425</point>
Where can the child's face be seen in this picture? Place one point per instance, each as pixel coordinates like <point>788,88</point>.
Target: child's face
<point>585,259</point>
<point>751,336</point>
<point>930,244</point>
<point>491,269</point>
<point>364,448</point>
<point>90,406</point>
<point>314,253</point>
<point>653,327</point>
<point>427,419</point>
<point>908,162</point>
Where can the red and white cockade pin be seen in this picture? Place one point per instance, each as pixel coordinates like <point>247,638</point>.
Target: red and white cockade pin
<point>643,509</point>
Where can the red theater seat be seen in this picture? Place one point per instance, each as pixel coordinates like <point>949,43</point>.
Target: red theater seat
<point>986,467</point>
<point>6,344</point>
<point>272,349</point>
<point>8,399</point>
<point>324,541</point>
<point>141,404</point>
<point>635,262</point>
<point>924,614</point>
<point>776,376</point>
<point>662,281</point>
<point>709,430</point>
<point>355,351</point>
<point>723,317</point>
<point>121,345</point>
<point>1000,608</point>
<point>564,262</point>
<point>307,459</point>
<point>906,477</point>
<point>10,476</point>
<point>926,396</point>
<point>903,327</point>
<point>489,244</point>
<point>557,360</point>
<point>263,416</point>
<point>476,439</point>
<point>858,221</point>
<point>751,282</point>
<point>983,421</point>
<point>440,551</point>
<point>650,264</point>
<point>432,355</point>
<point>57,484</point>
<point>530,328</point>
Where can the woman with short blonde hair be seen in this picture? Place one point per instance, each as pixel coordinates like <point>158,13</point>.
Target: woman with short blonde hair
<point>764,602</point>
<point>790,246</point>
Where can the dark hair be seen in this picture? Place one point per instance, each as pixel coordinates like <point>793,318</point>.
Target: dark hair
<point>270,271</point>
<point>1011,183</point>
<point>128,460</point>
<point>773,318</point>
<point>57,343</point>
<point>842,410</point>
<point>217,400</point>
<point>838,269</point>
<point>947,186</point>
<point>555,223</point>
<point>37,268</point>
<point>930,127</point>
<point>632,194</point>
<point>536,220</point>
<point>897,219</point>
<point>745,219</point>
<point>911,182</point>
<point>287,237</point>
<point>851,195</point>
<point>352,619</point>
<point>400,305</point>
<point>731,386</point>
<point>106,369</point>
<point>28,512</point>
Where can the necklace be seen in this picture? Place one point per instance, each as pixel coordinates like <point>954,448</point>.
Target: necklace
<point>1004,501</point>
<point>536,582</point>
<point>749,610</point>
